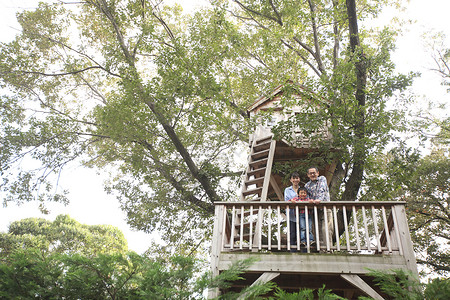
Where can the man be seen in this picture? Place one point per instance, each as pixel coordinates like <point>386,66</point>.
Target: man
<point>317,188</point>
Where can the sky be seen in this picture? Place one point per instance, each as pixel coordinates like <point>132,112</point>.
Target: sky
<point>91,205</point>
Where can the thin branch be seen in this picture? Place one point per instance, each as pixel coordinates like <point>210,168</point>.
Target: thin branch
<point>56,74</point>
<point>248,9</point>
<point>302,57</point>
<point>317,54</point>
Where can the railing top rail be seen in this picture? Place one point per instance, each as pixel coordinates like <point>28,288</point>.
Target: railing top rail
<point>324,203</point>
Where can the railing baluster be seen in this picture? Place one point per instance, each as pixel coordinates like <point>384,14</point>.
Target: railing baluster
<point>288,223</point>
<point>336,229</point>
<point>297,227</point>
<point>232,228</point>
<point>355,222</point>
<point>375,227</point>
<point>366,228</point>
<point>224,229</point>
<point>279,227</point>
<point>307,229</point>
<point>316,223</point>
<point>250,242</point>
<point>386,229</point>
<point>241,233</point>
<point>347,238</point>
<point>269,234</point>
<point>260,213</point>
<point>327,235</point>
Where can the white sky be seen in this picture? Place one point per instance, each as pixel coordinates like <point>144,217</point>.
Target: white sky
<point>91,205</point>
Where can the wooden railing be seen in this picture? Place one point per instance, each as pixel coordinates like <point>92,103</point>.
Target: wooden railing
<point>350,227</point>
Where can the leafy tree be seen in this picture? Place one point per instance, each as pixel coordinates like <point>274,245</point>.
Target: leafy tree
<point>33,274</point>
<point>307,294</point>
<point>63,235</point>
<point>346,76</point>
<point>30,274</point>
<point>399,284</point>
<point>131,85</point>
<point>160,98</point>
<point>428,210</point>
<point>423,182</point>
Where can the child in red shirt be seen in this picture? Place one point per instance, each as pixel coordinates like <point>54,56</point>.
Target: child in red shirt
<point>303,196</point>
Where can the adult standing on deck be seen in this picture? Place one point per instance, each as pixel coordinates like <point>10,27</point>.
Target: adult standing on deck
<point>317,188</point>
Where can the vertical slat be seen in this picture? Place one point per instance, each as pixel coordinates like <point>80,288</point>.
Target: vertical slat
<point>269,234</point>
<point>307,229</point>
<point>355,222</point>
<point>232,228</point>
<point>336,229</point>
<point>347,238</point>
<point>260,211</point>
<point>386,229</point>
<point>250,242</point>
<point>241,233</point>
<point>316,223</point>
<point>224,227</point>
<point>288,224</point>
<point>397,231</point>
<point>327,235</point>
<point>297,226</point>
<point>279,227</point>
<point>375,227</point>
<point>366,228</point>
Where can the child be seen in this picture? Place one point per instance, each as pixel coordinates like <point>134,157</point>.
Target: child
<point>302,196</point>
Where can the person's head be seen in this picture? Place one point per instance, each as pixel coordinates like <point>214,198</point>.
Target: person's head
<point>302,193</point>
<point>313,173</point>
<point>295,178</point>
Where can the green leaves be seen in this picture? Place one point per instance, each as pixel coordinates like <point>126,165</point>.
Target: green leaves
<point>64,235</point>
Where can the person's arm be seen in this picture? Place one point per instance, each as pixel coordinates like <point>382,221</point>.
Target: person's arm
<point>287,194</point>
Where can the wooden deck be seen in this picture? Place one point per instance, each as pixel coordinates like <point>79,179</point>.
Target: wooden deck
<point>373,235</point>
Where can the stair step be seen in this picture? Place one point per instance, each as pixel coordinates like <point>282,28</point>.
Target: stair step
<point>262,146</point>
<point>252,192</point>
<point>258,181</point>
<point>246,224</point>
<point>261,154</point>
<point>247,212</point>
<point>265,139</point>
<point>258,163</point>
<point>257,172</point>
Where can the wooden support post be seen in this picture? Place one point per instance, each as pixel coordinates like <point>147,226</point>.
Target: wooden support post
<point>266,276</point>
<point>357,282</point>
<point>216,246</point>
<point>276,188</point>
<point>405,239</point>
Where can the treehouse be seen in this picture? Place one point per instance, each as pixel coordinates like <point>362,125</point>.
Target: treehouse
<point>368,235</point>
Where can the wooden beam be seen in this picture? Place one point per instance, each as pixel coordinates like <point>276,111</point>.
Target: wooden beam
<point>265,277</point>
<point>216,246</point>
<point>268,174</point>
<point>357,282</point>
<point>314,263</point>
<point>276,188</point>
<point>405,238</point>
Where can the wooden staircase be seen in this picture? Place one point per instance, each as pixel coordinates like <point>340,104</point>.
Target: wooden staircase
<point>256,180</point>
<point>255,187</point>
